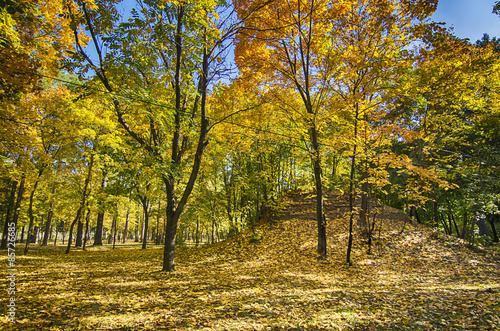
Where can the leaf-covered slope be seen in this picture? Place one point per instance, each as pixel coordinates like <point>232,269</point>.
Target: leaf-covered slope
<point>412,281</point>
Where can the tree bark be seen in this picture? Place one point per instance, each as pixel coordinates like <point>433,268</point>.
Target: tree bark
<point>145,208</point>
<point>17,209</point>
<point>351,187</point>
<point>79,233</point>
<point>30,212</point>
<point>100,215</point>
<point>87,223</point>
<point>491,220</point>
<point>125,230</point>
<point>10,207</point>
<point>49,222</point>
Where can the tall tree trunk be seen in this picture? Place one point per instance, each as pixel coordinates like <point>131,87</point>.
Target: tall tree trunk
<point>491,220</point>
<point>30,211</point>
<point>351,188</point>
<point>10,207</point>
<point>157,237</point>
<point>17,209</point>
<point>48,224</point>
<point>55,237</point>
<point>79,232</point>
<point>87,223</point>
<point>100,215</point>
<point>125,230</point>
<point>456,225</point>
<point>98,229</point>
<point>320,213</point>
<point>114,227</point>
<point>197,231</point>
<point>145,208</point>
<point>445,225</point>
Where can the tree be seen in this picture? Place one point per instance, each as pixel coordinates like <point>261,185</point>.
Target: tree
<point>159,65</point>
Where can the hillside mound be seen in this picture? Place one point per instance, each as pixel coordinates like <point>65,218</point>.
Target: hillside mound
<point>414,278</point>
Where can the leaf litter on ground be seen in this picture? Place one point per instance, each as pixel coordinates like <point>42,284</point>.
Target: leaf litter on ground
<point>414,279</point>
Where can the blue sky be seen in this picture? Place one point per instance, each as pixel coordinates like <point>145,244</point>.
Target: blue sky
<point>469,18</point>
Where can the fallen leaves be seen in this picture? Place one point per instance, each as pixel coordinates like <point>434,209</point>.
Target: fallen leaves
<point>410,282</point>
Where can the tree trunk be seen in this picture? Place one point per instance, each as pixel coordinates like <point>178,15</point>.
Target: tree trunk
<point>10,207</point>
<point>363,213</point>
<point>145,208</point>
<point>125,230</point>
<point>197,231</point>
<point>320,213</point>
<point>114,226</point>
<point>445,225</point>
<point>22,234</point>
<point>351,188</point>
<point>87,222</point>
<point>48,224</point>
<point>79,233</point>
<point>173,212</point>
<point>455,224</point>
<point>17,209</point>
<point>100,215</point>
<point>157,237</point>
<point>30,212</point>
<point>491,220</point>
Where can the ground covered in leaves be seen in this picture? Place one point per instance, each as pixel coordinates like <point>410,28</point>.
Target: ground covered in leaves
<point>414,280</point>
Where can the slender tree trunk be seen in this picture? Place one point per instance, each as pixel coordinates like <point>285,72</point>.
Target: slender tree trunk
<point>491,220</point>
<point>351,188</point>
<point>450,224</point>
<point>136,230</point>
<point>100,215</point>
<point>145,207</point>
<point>363,213</point>
<point>456,225</point>
<point>464,226</point>
<point>197,231</point>
<point>30,212</point>
<point>48,224</point>
<point>213,227</point>
<point>22,234</point>
<point>445,226</point>
<point>157,237</point>
<point>320,213</point>
<point>114,227</point>
<point>10,207</point>
<point>17,209</point>
<point>87,223</point>
<point>79,233</point>
<point>125,230</point>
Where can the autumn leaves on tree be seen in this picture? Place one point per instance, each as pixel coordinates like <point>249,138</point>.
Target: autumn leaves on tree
<point>103,107</point>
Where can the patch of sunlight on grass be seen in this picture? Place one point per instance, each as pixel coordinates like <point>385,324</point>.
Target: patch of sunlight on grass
<point>32,257</point>
<point>114,321</point>
<point>136,284</point>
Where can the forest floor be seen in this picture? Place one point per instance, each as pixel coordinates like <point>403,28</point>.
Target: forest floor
<point>414,280</point>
